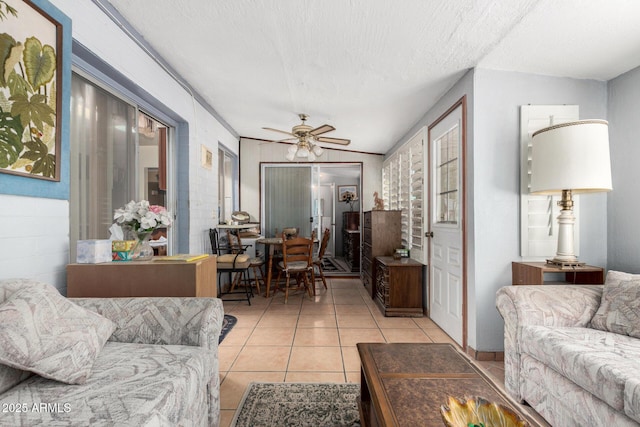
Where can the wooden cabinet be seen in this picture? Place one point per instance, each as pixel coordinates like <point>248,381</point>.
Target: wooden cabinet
<point>381,236</point>
<point>143,279</point>
<point>398,286</point>
<point>351,239</point>
<point>351,248</point>
<point>350,220</point>
<point>532,273</point>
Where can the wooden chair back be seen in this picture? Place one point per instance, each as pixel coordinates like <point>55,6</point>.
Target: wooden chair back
<point>325,241</point>
<point>298,250</point>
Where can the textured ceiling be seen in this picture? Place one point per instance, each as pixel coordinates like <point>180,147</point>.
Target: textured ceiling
<point>372,68</point>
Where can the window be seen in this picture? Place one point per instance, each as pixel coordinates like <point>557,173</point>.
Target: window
<point>118,154</point>
<point>227,184</point>
<point>446,197</point>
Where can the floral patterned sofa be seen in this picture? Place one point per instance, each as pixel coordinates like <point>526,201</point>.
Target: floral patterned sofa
<point>572,352</point>
<point>105,362</point>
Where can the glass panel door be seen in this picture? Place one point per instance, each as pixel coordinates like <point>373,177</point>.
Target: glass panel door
<point>287,199</point>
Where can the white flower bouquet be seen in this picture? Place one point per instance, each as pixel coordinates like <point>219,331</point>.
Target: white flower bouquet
<point>142,217</point>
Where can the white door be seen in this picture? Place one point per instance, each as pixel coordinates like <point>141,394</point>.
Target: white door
<point>446,252</point>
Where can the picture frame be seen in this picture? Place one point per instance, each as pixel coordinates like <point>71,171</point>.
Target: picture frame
<point>345,190</point>
<point>206,159</point>
<point>31,128</point>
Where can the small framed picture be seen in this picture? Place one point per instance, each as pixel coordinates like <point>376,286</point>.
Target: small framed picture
<point>347,193</point>
<point>207,157</point>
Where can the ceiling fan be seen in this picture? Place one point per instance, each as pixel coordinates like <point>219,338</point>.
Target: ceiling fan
<point>307,138</point>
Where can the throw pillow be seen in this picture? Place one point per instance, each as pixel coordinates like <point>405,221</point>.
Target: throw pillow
<point>619,310</point>
<point>43,332</point>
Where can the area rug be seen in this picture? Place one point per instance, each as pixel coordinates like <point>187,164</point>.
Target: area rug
<point>227,323</point>
<point>332,265</point>
<point>298,404</point>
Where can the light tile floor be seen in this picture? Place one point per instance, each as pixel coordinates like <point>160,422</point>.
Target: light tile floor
<point>311,340</point>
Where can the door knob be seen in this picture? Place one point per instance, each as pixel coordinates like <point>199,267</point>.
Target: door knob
<point>428,234</point>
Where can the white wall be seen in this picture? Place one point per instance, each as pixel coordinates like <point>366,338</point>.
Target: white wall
<point>34,239</point>
<point>253,152</point>
<point>464,87</point>
<point>496,172</point>
<point>99,34</point>
<point>624,204</point>
<point>492,185</point>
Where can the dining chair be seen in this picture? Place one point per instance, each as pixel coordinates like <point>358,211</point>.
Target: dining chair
<point>297,260</point>
<point>317,260</point>
<point>232,261</point>
<point>255,263</point>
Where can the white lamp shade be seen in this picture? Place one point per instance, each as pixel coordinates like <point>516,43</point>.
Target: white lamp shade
<point>317,150</point>
<point>571,156</point>
<point>292,149</point>
<point>290,156</point>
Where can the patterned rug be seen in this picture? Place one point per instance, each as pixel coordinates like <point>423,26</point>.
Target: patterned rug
<point>332,265</point>
<point>298,404</point>
<point>227,323</point>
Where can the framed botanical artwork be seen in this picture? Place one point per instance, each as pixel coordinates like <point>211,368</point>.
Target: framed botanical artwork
<point>347,193</point>
<point>30,91</point>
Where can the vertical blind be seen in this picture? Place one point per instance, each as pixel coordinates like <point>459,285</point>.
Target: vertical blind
<point>287,200</point>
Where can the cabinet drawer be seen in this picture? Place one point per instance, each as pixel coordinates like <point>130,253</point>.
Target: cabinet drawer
<point>367,235</point>
<point>366,250</point>
<point>367,220</point>
<point>382,283</point>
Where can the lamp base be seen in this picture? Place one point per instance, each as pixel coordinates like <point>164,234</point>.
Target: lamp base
<point>565,264</point>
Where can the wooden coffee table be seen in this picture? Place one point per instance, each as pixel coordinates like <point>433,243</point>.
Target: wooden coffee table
<point>405,384</point>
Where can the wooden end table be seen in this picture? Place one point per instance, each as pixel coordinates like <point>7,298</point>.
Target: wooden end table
<point>405,384</point>
<point>532,273</point>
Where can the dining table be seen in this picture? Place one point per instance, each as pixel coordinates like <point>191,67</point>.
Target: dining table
<point>272,243</point>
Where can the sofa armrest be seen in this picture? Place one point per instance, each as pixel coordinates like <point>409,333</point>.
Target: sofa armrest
<point>167,320</point>
<point>547,305</point>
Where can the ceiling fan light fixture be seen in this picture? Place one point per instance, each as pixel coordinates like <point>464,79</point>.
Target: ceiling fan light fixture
<point>311,156</point>
<point>290,156</point>
<point>317,150</point>
<point>303,152</point>
<point>293,148</point>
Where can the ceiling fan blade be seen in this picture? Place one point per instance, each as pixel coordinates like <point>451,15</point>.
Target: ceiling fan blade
<point>281,131</point>
<point>333,140</point>
<point>322,129</point>
<point>278,140</point>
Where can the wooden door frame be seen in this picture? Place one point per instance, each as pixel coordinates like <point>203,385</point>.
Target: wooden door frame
<point>462,102</point>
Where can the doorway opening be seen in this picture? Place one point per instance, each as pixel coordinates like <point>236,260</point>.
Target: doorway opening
<point>306,196</point>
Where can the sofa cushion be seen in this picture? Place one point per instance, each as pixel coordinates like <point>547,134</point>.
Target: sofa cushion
<point>45,333</point>
<point>131,385</point>
<point>632,398</point>
<point>600,362</point>
<point>619,310</point>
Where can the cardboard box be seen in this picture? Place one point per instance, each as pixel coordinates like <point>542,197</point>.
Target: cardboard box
<point>122,250</point>
<point>93,251</point>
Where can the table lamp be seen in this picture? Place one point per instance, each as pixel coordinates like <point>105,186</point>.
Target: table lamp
<point>566,159</point>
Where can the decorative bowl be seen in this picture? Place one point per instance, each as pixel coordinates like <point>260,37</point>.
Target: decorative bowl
<point>478,412</point>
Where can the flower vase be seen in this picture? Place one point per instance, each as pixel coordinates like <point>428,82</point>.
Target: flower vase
<point>143,250</point>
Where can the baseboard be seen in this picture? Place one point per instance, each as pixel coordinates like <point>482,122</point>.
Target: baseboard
<point>486,356</point>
